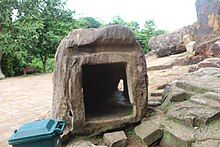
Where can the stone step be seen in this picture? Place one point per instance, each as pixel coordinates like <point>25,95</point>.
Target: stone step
<point>158,92</point>
<point>154,101</point>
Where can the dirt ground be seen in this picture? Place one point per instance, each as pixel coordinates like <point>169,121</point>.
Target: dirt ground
<point>23,99</point>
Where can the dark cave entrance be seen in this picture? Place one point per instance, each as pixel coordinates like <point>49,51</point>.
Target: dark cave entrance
<point>105,91</point>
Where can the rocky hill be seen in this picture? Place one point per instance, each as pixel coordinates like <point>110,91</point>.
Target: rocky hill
<point>198,37</point>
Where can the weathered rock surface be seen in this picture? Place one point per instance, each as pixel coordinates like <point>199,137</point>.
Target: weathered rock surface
<point>215,49</point>
<point>192,109</point>
<point>200,34</point>
<point>98,56</point>
<point>168,62</point>
<point>205,9</point>
<point>210,62</point>
<point>83,144</point>
<point>201,81</point>
<point>149,132</point>
<point>208,48</point>
<point>172,43</point>
<point>208,143</point>
<point>162,71</point>
<point>115,139</point>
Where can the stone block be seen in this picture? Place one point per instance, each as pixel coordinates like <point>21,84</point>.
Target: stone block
<point>149,132</point>
<point>115,139</point>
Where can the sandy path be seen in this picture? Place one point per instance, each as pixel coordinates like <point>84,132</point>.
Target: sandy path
<point>23,99</point>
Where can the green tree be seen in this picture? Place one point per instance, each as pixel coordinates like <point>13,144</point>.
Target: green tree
<point>117,20</point>
<point>7,29</point>
<point>143,35</point>
<point>43,24</point>
<point>89,22</point>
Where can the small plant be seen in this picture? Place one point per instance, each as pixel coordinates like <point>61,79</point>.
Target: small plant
<point>36,63</point>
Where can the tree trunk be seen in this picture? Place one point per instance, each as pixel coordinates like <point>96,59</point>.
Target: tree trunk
<point>1,74</point>
<point>44,62</point>
<point>44,66</point>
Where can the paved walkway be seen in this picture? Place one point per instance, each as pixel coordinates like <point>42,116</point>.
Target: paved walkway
<point>23,99</point>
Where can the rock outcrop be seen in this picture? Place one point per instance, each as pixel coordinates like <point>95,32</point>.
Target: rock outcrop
<point>203,33</point>
<point>172,43</point>
<point>208,16</point>
<point>192,109</point>
<point>190,113</point>
<point>89,66</point>
<point>210,62</point>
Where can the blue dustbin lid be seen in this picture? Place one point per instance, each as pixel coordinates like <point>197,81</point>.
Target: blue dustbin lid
<point>37,130</point>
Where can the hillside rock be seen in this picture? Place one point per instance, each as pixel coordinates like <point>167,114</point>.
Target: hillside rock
<point>210,62</point>
<point>215,49</point>
<point>172,43</point>
<point>202,32</point>
<point>192,109</point>
<point>201,81</point>
<point>207,15</point>
<point>208,48</point>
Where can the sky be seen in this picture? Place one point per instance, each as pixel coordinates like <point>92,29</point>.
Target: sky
<point>167,14</point>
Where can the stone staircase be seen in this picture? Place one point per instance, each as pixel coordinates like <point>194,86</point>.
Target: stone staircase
<point>155,98</point>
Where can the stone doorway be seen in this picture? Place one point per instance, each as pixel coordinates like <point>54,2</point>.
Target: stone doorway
<point>102,97</point>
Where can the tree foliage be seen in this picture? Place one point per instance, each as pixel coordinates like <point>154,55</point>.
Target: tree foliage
<point>89,22</point>
<point>143,35</point>
<point>44,24</point>
<point>30,31</point>
<point>7,27</point>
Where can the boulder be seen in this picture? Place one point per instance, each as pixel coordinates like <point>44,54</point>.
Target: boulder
<point>208,48</point>
<point>205,9</point>
<point>149,132</point>
<point>115,139</point>
<point>172,43</point>
<point>210,62</point>
<point>215,49</point>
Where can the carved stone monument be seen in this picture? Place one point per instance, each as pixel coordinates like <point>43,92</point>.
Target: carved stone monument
<point>90,64</point>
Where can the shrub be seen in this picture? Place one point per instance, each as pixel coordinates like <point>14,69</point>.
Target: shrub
<point>12,65</point>
<point>36,63</point>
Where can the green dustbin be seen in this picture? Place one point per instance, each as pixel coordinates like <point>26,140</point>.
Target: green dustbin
<point>43,133</point>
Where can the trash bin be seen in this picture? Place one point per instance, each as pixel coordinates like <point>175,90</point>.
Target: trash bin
<point>43,133</point>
